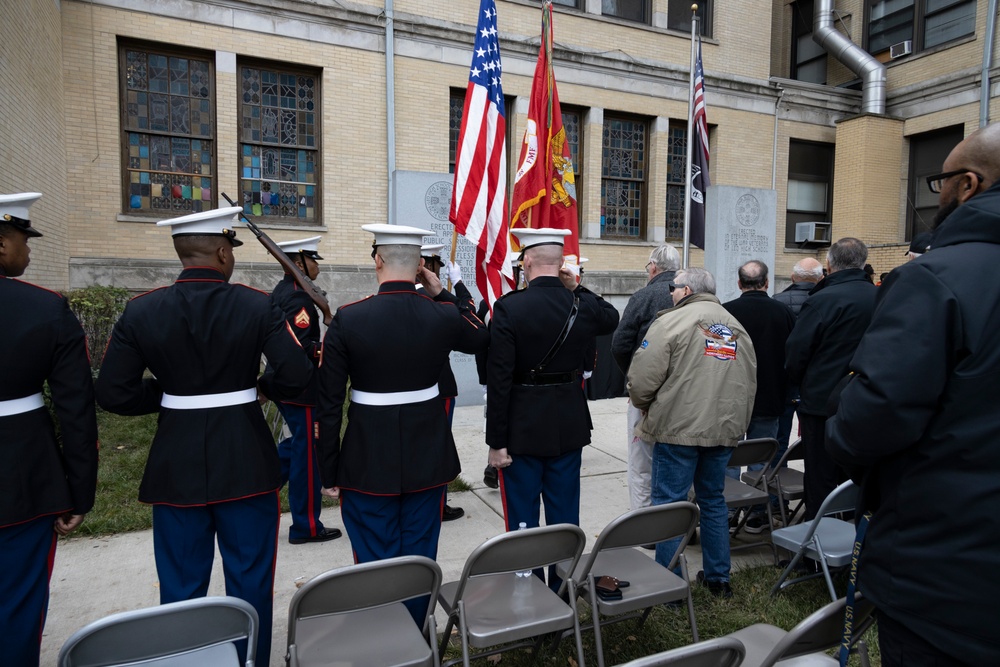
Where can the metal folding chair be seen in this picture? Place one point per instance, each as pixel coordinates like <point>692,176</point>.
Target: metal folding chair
<point>825,539</point>
<point>650,583</point>
<point>355,616</point>
<point>720,652</point>
<point>179,634</point>
<point>806,643</point>
<point>786,483</point>
<point>494,607</point>
<point>739,494</point>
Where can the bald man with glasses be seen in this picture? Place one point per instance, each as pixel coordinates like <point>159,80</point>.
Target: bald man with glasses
<point>918,427</point>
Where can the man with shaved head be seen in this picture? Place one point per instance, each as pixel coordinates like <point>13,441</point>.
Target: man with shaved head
<point>918,427</point>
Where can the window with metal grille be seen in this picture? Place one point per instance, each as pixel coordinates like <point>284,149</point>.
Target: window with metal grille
<point>168,130</point>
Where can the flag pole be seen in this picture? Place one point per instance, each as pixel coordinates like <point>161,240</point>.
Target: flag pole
<point>690,144</point>
<point>454,246</point>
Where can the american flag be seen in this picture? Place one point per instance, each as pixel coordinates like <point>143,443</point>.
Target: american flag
<point>699,166</point>
<point>479,202</point>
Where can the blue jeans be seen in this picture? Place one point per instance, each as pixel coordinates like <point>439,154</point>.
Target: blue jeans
<point>675,468</point>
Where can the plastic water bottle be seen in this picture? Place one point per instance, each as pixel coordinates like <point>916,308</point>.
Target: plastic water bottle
<point>523,573</point>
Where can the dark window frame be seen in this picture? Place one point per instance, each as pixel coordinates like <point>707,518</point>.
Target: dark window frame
<point>814,177</point>
<point>646,9</point>
<point>803,13</point>
<point>928,151</point>
<point>130,165</point>
<point>581,114</point>
<point>918,24</point>
<point>706,10</point>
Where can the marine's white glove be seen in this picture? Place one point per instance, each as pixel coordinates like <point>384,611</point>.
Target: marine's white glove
<point>587,374</point>
<point>454,272</point>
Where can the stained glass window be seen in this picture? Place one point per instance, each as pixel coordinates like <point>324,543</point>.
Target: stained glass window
<point>623,177</point>
<point>279,151</point>
<point>168,123</point>
<point>676,157</point>
<point>572,118</point>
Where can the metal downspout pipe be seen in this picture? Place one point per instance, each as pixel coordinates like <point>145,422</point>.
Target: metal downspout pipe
<point>984,86</point>
<point>859,61</point>
<point>390,112</point>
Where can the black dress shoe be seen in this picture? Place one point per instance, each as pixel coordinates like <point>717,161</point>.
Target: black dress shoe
<point>491,478</point>
<point>451,513</point>
<point>324,535</point>
<point>720,589</point>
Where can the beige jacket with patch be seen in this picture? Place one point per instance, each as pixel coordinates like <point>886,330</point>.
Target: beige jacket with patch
<point>694,376</point>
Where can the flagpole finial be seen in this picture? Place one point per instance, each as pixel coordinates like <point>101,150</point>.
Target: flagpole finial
<point>694,8</point>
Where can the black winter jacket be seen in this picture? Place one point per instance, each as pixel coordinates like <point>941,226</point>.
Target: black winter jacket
<point>826,335</point>
<point>640,311</point>
<point>794,296</point>
<point>919,425</point>
<point>768,322</point>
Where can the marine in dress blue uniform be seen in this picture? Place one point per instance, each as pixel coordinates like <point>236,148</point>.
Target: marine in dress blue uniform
<point>397,455</point>
<point>213,471</point>
<point>431,260</point>
<point>46,489</point>
<point>537,420</point>
<point>298,451</point>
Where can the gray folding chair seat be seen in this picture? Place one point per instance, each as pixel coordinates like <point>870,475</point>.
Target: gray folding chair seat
<point>354,616</point>
<point>739,494</point>
<point>493,607</point>
<point>720,652</point>
<point>180,634</point>
<point>825,539</point>
<point>805,644</point>
<point>786,483</point>
<point>650,583</point>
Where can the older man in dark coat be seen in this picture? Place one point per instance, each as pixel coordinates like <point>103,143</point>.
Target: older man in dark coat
<point>918,426</point>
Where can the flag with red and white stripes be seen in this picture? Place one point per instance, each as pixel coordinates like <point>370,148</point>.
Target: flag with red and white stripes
<point>479,200</point>
<point>699,159</point>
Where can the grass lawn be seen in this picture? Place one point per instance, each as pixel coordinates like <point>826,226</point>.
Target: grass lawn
<point>125,444</point>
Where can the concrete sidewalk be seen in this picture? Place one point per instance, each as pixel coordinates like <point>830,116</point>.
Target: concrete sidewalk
<point>95,577</point>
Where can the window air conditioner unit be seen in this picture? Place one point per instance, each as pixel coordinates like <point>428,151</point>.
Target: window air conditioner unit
<point>812,232</point>
<point>901,49</point>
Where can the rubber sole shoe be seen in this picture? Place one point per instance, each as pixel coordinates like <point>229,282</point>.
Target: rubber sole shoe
<point>451,513</point>
<point>491,478</point>
<point>756,524</point>
<point>720,589</point>
<point>324,535</point>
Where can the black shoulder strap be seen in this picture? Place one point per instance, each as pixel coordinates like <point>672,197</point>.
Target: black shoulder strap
<point>573,312</point>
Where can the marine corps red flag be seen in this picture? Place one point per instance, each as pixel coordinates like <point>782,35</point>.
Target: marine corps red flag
<point>479,200</point>
<point>545,186</point>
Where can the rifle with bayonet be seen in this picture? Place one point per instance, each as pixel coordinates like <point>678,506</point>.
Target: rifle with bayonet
<point>307,285</point>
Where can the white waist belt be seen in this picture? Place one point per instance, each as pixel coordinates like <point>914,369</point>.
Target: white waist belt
<point>18,405</point>
<point>393,397</point>
<point>208,400</point>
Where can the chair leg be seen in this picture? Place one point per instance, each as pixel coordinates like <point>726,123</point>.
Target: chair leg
<point>448,627</point>
<point>826,569</point>
<point>464,630</point>
<point>690,597</point>
<point>788,570</point>
<point>432,639</point>
<point>770,523</point>
<point>862,648</point>
<point>595,618</point>
<point>576,621</point>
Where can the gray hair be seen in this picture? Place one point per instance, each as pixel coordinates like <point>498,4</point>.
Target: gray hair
<point>813,275</point>
<point>401,257</point>
<point>665,258</point>
<point>753,274</point>
<point>700,281</point>
<point>847,253</point>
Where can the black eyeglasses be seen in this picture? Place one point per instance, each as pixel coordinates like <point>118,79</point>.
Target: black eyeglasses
<point>374,250</point>
<point>936,182</point>
<point>649,264</point>
<point>674,286</point>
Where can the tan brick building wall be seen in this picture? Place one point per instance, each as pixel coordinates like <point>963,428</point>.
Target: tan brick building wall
<point>32,134</point>
<point>68,131</point>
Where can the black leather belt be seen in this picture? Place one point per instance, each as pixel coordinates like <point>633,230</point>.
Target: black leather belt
<point>542,379</point>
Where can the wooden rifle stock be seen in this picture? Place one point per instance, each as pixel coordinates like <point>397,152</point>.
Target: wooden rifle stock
<point>307,285</point>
